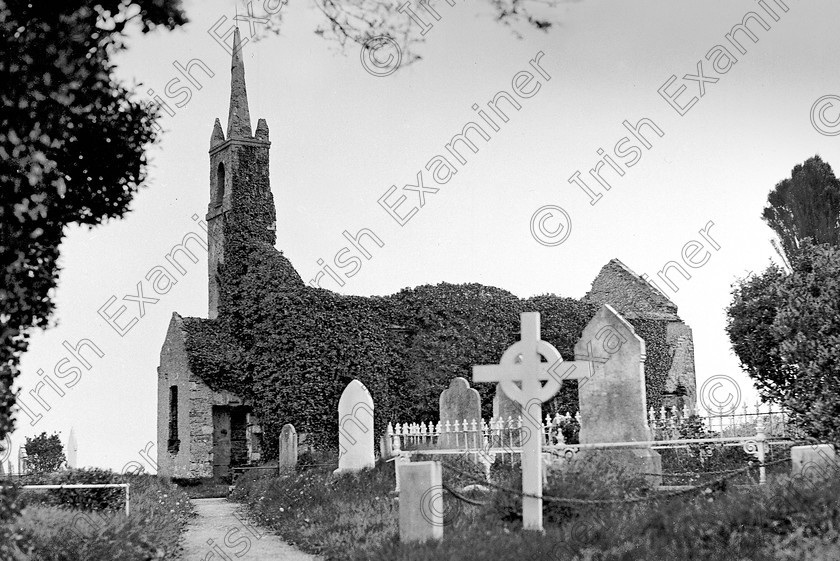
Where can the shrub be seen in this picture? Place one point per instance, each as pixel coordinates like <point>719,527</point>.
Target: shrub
<point>87,499</point>
<point>158,513</point>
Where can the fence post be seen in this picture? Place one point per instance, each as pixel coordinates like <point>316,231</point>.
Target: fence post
<point>127,499</point>
<point>760,437</point>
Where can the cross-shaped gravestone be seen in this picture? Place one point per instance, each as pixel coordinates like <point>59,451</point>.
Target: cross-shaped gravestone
<point>522,362</point>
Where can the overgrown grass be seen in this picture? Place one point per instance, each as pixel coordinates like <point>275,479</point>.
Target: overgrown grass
<point>356,518</point>
<point>99,529</point>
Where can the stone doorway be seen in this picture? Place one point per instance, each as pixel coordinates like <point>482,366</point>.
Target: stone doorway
<point>230,440</point>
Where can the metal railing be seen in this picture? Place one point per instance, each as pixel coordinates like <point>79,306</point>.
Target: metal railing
<point>89,486</point>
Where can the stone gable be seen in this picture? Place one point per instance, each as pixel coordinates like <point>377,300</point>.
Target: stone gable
<point>630,294</point>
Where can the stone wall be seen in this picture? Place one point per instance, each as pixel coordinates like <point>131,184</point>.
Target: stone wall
<point>174,371</point>
<point>194,455</point>
<point>202,401</point>
<point>629,294</point>
<point>633,297</point>
<point>682,374</point>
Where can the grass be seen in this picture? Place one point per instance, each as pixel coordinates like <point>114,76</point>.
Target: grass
<point>356,517</point>
<point>48,532</point>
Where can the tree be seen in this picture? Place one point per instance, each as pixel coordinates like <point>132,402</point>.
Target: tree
<point>44,453</point>
<point>72,143</point>
<point>806,205</point>
<point>785,329</point>
<point>358,21</point>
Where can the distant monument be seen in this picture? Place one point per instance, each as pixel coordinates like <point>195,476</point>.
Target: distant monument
<point>72,448</point>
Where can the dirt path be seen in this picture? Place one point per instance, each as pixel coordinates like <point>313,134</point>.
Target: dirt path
<point>221,533</point>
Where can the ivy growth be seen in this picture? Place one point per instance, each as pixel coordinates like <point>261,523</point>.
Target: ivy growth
<point>290,349</point>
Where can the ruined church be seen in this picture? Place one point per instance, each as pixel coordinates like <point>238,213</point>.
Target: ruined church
<point>205,432</point>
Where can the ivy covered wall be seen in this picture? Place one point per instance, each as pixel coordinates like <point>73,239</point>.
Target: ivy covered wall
<point>290,349</point>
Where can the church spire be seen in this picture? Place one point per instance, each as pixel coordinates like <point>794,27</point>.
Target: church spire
<point>239,119</point>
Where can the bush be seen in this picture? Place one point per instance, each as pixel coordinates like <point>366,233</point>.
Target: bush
<point>86,499</point>
<point>158,513</point>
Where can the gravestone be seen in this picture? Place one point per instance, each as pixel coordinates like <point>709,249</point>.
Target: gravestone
<point>355,429</point>
<point>613,401</point>
<point>508,411</point>
<point>288,448</point>
<point>609,367</point>
<point>386,448</point>
<point>522,362</point>
<point>503,406</point>
<point>459,403</point>
<point>421,502</point>
<point>817,461</point>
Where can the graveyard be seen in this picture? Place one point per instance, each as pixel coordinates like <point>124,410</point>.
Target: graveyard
<point>459,421</point>
<point>468,489</point>
<point>459,384</point>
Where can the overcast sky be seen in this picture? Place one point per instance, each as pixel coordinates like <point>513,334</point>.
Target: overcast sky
<point>341,137</point>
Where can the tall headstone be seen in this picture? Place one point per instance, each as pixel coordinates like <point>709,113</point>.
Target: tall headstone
<point>613,402</point>
<point>355,429</point>
<point>421,502</point>
<point>288,448</point>
<point>72,450</point>
<point>459,403</point>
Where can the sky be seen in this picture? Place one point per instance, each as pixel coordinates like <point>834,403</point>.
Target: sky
<point>342,136</point>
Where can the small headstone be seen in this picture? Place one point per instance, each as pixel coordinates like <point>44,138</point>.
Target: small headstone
<point>813,461</point>
<point>288,449</point>
<point>355,429</point>
<point>421,502</point>
<point>386,449</point>
<point>458,403</point>
<point>505,407</point>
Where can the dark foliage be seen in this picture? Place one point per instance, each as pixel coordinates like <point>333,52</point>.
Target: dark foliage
<point>72,143</point>
<point>805,205</point>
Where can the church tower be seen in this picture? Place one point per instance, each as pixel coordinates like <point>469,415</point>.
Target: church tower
<point>241,211</point>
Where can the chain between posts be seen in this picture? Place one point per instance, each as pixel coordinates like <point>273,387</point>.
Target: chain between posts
<point>631,500</point>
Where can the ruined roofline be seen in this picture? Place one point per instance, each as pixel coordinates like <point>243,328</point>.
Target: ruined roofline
<point>640,279</point>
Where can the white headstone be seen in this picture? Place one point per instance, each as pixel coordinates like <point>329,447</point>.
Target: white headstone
<point>355,429</point>
<point>421,502</point>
